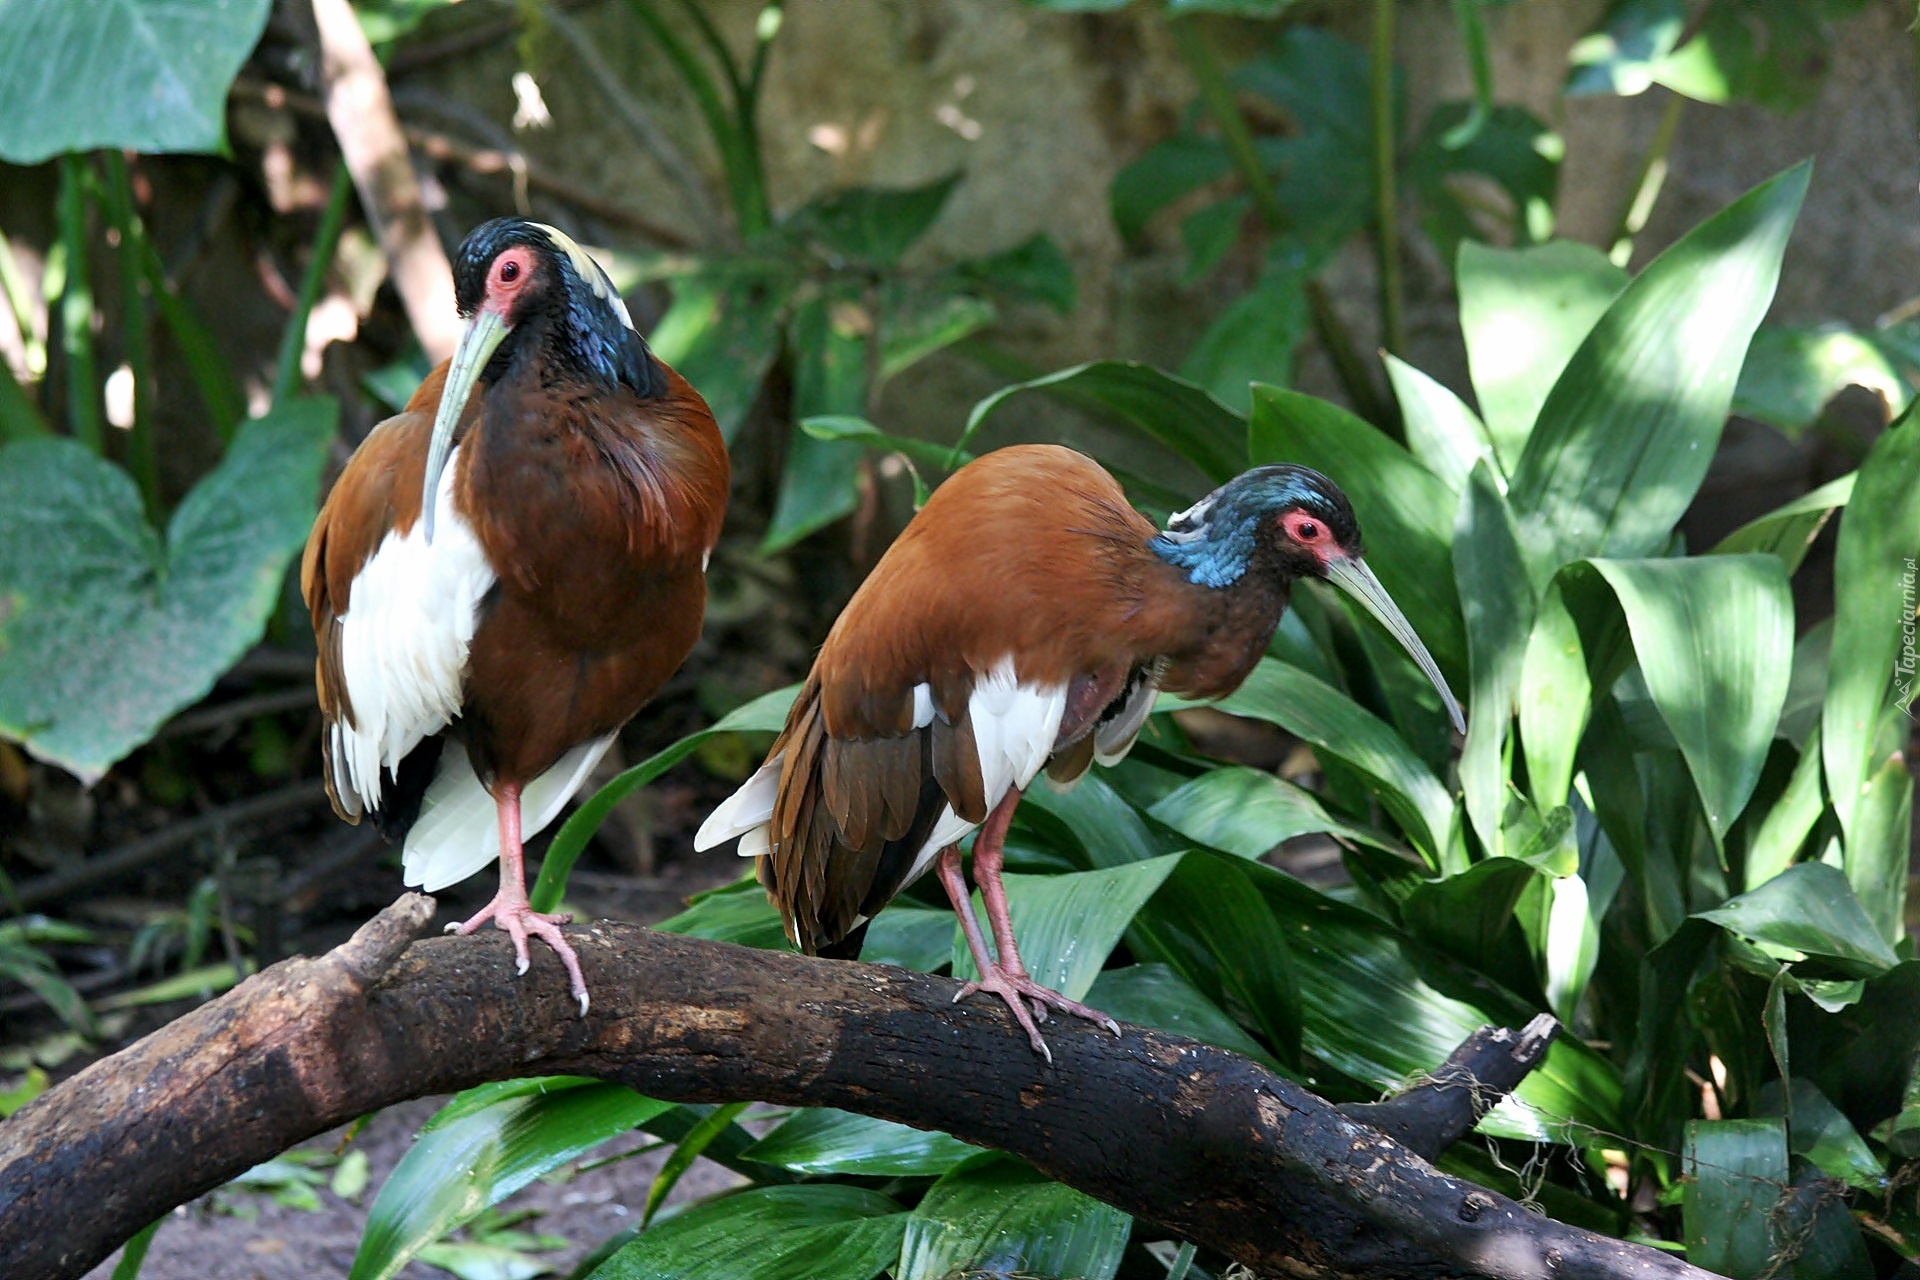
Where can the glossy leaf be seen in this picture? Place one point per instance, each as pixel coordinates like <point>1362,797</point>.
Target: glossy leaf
<point>1879,845</point>
<point>1442,432</point>
<point>1497,606</point>
<point>722,333</point>
<point>1106,827</point>
<point>1467,914</point>
<point>1339,727</point>
<point>458,1167</point>
<point>1787,824</point>
<point>1822,1133</point>
<point>1248,812</point>
<point>821,1140</point>
<point>1626,435</point>
<point>1714,638</point>
<point>1788,530</point>
<point>1736,1172</point>
<point>823,1231</point>
<point>919,938</point>
<point>1155,995</point>
<point>1874,600</point>
<point>766,713</point>
<point>995,1216</point>
<point>685,1152</point>
<point>1524,313</point>
<point>746,918</point>
<point>134,75</point>
<point>915,322</point>
<point>1790,374</point>
<point>875,224</point>
<point>1066,924</point>
<point>1405,511</point>
<point>108,627</point>
<point>1809,908</point>
<point>1555,699</point>
<point>1252,339</point>
<point>832,375</point>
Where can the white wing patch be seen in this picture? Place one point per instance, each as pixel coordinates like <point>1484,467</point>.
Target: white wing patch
<point>403,644</point>
<point>1113,739</point>
<point>458,831</point>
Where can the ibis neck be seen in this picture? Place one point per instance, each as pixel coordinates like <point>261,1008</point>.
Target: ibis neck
<point>1223,629</point>
<point>581,343</point>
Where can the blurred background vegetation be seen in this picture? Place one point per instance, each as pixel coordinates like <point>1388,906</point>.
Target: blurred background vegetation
<point>1178,234</point>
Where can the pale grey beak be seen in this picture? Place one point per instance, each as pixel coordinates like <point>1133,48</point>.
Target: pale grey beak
<point>1353,577</point>
<point>482,338</point>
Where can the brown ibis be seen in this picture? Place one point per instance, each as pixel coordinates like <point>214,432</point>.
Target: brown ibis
<point>507,570</point>
<point>1024,620</point>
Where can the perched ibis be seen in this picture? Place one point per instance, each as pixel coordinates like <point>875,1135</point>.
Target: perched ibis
<point>508,569</point>
<point>1024,619</point>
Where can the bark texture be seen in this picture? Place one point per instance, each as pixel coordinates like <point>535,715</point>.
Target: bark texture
<point>1199,1140</point>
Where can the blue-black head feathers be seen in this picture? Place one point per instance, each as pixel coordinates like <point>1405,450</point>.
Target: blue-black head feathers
<point>570,306</point>
<point>1217,539</point>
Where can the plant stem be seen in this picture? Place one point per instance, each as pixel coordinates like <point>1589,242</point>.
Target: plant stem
<point>1217,96</point>
<point>19,417</point>
<point>136,319</point>
<point>1386,210</point>
<point>76,305</point>
<point>1646,183</point>
<point>293,343</point>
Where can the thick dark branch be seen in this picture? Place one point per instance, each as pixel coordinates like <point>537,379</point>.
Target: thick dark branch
<point>1194,1138</point>
<point>1444,1107</point>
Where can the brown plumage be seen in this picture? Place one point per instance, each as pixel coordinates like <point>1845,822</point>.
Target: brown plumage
<point>588,484</point>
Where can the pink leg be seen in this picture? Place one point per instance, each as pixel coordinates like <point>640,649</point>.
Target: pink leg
<point>1006,978</point>
<point>509,909</point>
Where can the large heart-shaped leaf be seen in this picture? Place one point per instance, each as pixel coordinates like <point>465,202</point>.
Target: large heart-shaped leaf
<point>1065,925</point>
<point>996,1217</point>
<point>139,75</point>
<point>1625,436</point>
<point>471,1157</point>
<point>106,627</point>
<point>824,1231</point>
<point>821,1140</point>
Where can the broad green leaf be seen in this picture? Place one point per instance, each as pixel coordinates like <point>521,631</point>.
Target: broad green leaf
<point>1443,433</point>
<point>1497,606</point>
<point>1248,812</point>
<point>1155,995</point>
<point>875,224</point>
<point>1524,313</point>
<point>1785,828</point>
<point>1170,410</point>
<point>1209,234</point>
<point>1819,1131</point>
<point>1468,914</point>
<point>1809,908</point>
<point>1788,531</point>
<point>821,1140</point>
<point>919,938</point>
<point>824,1231</point>
<point>470,1261</point>
<point>1773,55</point>
<point>1405,511</point>
<point>1790,374</point>
<point>106,627</point>
<point>832,375</point>
<point>1714,638</point>
<point>1342,729</point>
<point>1321,166</point>
<point>1626,435</point>
<point>722,333</point>
<point>1106,827</point>
<point>1736,1171</point>
<point>1874,591</point>
<point>996,1216</point>
<point>1035,270</point>
<point>766,713</point>
<point>134,75</point>
<point>1163,174</point>
<point>915,322</point>
<point>1066,924</point>
<point>1252,340</point>
<point>1623,57</point>
<point>1509,147</point>
<point>1879,846</point>
<point>459,1167</point>
<point>698,1139</point>
<point>745,918</point>
<point>833,426</point>
<point>1555,699</point>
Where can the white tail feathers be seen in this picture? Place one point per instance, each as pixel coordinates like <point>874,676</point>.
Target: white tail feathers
<point>744,813</point>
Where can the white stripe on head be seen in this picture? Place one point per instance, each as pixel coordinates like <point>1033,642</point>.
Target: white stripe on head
<point>590,271</point>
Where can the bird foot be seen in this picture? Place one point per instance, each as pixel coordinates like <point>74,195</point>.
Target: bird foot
<point>1017,989</point>
<point>517,920</point>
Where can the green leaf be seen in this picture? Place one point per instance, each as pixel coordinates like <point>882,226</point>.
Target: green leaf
<point>1108,829</point>
<point>1155,995</point>
<point>1497,606</point>
<point>832,426</point>
<point>1209,233</point>
<point>1714,637</point>
<point>1443,433</point>
<point>1736,1171</point>
<point>1341,729</point>
<point>1809,908</point>
<point>1468,914</point>
<point>745,918</point>
<point>875,224</point>
<point>1879,844</point>
<point>821,1140</point>
<point>722,332</point>
<point>1873,660</point>
<point>459,1167</point>
<point>915,322</point>
<point>1247,811</point>
<point>471,1261</point>
<point>1623,57</point>
<point>1785,828</point>
<point>106,628</point>
<point>1252,340</point>
<point>1405,511</point>
<point>1790,374</point>
<point>995,1216</point>
<point>1066,924</point>
<point>710,1127</point>
<point>1817,1130</point>
<point>1183,417</point>
<point>1163,174</point>
<point>1511,148</point>
<point>1524,313</point>
<point>1555,698</point>
<point>818,1232</point>
<point>134,75</point>
<point>766,713</point>
<point>1788,531</point>
<point>918,938</point>
<point>819,481</point>
<point>1626,435</point>
<point>1035,270</point>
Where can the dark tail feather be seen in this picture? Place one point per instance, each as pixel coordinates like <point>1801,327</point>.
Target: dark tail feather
<point>847,948</point>
<point>402,792</point>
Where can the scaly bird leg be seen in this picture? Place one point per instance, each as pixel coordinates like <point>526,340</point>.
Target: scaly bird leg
<point>1008,977</point>
<point>510,910</point>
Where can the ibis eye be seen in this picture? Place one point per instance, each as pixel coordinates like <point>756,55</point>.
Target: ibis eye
<point>509,271</point>
<point>1307,531</point>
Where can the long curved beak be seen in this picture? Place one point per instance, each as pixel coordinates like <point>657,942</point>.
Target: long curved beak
<point>1353,577</point>
<point>482,337</point>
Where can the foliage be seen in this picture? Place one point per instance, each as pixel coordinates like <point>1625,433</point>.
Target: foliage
<point>1642,833</point>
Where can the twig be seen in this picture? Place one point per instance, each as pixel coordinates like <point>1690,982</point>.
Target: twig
<point>1647,182</point>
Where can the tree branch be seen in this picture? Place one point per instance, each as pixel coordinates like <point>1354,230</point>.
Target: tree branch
<point>1202,1141</point>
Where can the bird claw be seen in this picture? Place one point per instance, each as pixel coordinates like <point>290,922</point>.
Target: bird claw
<point>1018,990</point>
<point>518,920</point>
